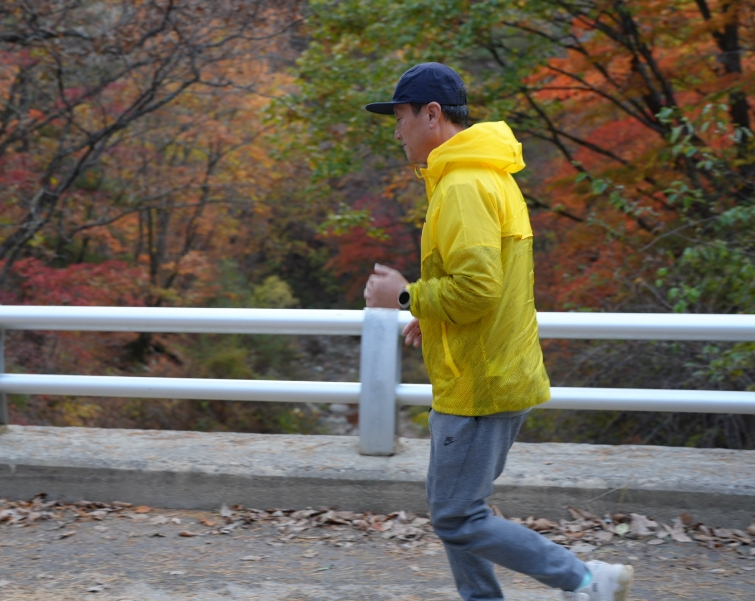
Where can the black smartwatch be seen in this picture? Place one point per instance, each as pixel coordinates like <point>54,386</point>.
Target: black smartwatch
<point>404,300</point>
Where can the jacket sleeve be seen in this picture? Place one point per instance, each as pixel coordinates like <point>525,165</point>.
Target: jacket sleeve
<point>467,233</point>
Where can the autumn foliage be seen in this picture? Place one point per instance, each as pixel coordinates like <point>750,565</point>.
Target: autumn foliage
<point>636,119</point>
<point>164,154</point>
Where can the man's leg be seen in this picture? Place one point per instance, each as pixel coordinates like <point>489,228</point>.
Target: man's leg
<point>474,576</point>
<point>467,455</point>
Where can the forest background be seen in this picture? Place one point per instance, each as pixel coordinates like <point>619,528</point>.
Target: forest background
<point>217,154</point>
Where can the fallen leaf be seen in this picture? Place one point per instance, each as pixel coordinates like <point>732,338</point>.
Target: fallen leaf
<point>253,558</point>
<point>158,520</point>
<point>305,513</point>
<point>310,554</point>
<point>230,527</point>
<point>581,547</point>
<point>186,533</point>
<point>641,525</point>
<point>137,517</point>
<point>331,517</point>
<point>66,534</point>
<point>680,537</point>
<point>143,509</point>
<point>603,536</point>
<point>543,525</point>
<point>177,573</point>
<point>742,535</point>
<point>580,513</point>
<point>677,533</point>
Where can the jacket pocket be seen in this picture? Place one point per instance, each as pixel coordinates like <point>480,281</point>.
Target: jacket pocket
<point>449,360</point>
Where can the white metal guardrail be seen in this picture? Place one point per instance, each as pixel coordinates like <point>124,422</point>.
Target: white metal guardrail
<point>380,390</point>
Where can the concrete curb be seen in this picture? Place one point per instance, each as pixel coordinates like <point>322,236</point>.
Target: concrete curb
<point>194,470</point>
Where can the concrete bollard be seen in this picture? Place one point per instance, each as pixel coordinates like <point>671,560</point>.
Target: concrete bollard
<point>380,373</point>
<point>3,396</point>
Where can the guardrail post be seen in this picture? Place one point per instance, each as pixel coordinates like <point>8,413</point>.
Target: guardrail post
<point>379,373</point>
<point>3,396</point>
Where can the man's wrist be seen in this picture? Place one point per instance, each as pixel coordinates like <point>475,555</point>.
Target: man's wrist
<point>404,299</point>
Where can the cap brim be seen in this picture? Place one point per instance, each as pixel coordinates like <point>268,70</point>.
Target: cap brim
<point>381,108</point>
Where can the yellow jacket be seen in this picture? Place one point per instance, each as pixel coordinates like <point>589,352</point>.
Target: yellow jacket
<point>475,299</point>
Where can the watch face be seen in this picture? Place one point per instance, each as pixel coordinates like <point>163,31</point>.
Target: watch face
<point>403,299</point>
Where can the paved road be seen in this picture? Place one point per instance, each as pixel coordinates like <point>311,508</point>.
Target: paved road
<point>146,559</point>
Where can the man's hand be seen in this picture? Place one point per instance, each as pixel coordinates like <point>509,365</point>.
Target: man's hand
<point>412,333</point>
<point>383,287</point>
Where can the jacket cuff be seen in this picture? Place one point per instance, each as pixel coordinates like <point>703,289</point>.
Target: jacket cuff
<point>414,305</point>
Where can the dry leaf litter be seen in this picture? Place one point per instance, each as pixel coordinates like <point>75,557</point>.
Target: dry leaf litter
<point>584,533</point>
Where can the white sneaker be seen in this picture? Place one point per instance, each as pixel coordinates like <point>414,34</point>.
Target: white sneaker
<point>610,582</point>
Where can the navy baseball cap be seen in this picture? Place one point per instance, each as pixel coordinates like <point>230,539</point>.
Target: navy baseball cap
<point>422,84</point>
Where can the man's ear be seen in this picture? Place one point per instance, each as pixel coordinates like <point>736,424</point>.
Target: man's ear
<point>434,113</point>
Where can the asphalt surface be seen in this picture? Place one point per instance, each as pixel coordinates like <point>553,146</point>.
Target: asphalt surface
<point>170,555</point>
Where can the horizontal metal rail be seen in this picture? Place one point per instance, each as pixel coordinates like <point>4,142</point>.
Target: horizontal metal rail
<point>619,399</point>
<point>284,391</point>
<point>600,399</point>
<point>182,320</point>
<point>380,390</point>
<point>620,326</point>
<point>647,326</point>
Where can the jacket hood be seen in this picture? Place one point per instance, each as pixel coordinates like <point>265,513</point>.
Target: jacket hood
<point>492,144</point>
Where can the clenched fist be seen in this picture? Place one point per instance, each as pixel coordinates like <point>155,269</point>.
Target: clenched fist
<point>383,287</point>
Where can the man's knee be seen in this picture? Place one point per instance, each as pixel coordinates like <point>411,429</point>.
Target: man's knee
<point>453,518</point>
<point>443,522</point>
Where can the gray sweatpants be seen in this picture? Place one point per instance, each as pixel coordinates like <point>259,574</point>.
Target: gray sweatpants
<point>466,455</point>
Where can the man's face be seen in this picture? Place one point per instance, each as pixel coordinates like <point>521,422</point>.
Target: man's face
<point>413,132</point>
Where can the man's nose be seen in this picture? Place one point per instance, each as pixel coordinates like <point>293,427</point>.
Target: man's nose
<point>397,134</point>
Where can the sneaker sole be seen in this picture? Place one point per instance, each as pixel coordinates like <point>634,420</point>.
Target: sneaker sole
<point>624,581</point>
